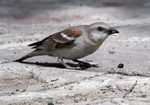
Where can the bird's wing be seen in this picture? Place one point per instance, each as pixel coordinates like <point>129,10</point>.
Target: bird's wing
<point>61,39</point>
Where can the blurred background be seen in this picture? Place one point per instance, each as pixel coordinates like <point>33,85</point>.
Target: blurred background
<point>30,12</point>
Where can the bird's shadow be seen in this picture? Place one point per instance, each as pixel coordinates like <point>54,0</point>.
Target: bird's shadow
<point>57,65</point>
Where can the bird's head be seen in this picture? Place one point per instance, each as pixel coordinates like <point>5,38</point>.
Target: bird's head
<point>100,31</point>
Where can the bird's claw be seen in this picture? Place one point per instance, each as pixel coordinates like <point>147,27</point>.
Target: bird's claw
<point>80,65</point>
<point>94,65</point>
<point>74,68</point>
<point>87,65</point>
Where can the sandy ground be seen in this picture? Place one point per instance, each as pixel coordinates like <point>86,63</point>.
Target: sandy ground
<point>42,81</point>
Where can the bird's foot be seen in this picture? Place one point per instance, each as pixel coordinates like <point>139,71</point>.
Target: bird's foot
<point>94,65</point>
<point>71,66</point>
<point>85,65</point>
<point>79,66</point>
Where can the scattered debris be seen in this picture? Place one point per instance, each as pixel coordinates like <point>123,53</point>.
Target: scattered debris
<point>130,90</point>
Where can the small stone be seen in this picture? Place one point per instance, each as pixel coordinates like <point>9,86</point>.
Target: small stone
<point>17,90</point>
<point>23,90</point>
<point>121,65</point>
<point>111,52</point>
<point>103,92</point>
<point>12,93</point>
<point>143,96</point>
<point>50,104</point>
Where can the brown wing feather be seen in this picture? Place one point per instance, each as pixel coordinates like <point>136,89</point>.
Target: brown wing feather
<point>57,40</point>
<point>74,33</point>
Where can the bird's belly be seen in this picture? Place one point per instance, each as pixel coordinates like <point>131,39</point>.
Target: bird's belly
<point>75,52</point>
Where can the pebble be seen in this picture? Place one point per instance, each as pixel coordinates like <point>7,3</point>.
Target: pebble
<point>121,65</point>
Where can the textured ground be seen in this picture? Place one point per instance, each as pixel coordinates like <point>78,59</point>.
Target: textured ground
<point>41,81</point>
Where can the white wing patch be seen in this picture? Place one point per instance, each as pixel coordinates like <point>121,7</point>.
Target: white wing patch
<point>67,37</point>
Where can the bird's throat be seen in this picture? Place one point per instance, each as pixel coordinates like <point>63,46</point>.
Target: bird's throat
<point>98,44</point>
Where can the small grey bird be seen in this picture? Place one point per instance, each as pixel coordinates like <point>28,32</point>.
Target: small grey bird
<point>72,43</point>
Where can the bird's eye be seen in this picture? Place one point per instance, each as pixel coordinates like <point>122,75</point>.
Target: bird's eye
<point>100,28</point>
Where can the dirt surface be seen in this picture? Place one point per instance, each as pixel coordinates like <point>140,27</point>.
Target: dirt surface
<point>42,81</point>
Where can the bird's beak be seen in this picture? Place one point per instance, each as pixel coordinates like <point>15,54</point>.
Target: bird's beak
<point>112,31</point>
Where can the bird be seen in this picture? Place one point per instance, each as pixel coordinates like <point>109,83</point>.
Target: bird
<point>72,43</point>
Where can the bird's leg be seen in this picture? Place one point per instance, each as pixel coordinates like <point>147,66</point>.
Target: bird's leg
<point>86,64</point>
<point>60,60</point>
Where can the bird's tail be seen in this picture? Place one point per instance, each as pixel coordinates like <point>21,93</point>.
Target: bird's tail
<point>33,53</point>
